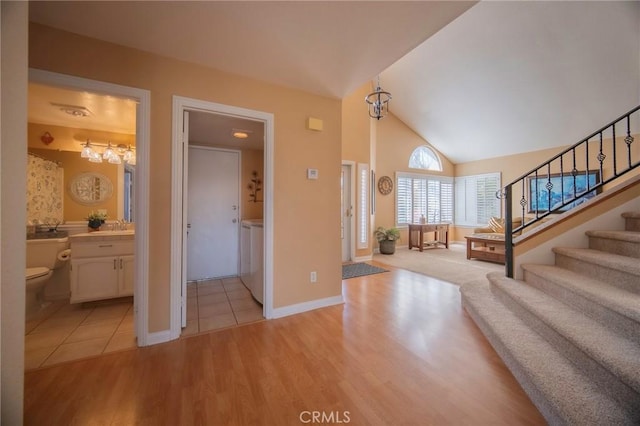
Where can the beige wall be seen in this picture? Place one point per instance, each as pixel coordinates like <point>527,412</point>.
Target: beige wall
<point>13,199</point>
<point>252,160</point>
<point>395,144</point>
<point>66,149</point>
<point>512,167</point>
<point>73,165</point>
<point>298,202</point>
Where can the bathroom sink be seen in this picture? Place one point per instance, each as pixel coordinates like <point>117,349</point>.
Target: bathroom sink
<point>124,232</point>
<point>106,233</point>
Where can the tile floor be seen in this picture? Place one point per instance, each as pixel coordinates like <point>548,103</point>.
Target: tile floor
<point>64,332</point>
<point>219,303</point>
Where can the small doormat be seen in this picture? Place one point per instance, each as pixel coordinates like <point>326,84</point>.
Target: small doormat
<point>359,269</point>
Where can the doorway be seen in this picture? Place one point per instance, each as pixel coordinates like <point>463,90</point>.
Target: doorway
<point>184,112</point>
<point>141,183</point>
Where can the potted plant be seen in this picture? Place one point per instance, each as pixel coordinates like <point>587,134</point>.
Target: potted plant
<point>95,220</point>
<point>387,238</point>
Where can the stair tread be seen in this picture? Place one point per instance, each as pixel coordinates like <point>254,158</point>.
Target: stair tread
<point>563,385</point>
<point>614,261</point>
<point>629,236</point>
<point>616,353</point>
<point>612,297</point>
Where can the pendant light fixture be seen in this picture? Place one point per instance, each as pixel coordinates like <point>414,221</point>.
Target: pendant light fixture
<point>378,102</point>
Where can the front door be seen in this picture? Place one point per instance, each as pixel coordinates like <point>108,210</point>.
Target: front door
<point>346,208</point>
<point>213,212</point>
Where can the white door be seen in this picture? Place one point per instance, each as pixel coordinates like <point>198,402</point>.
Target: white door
<point>213,212</point>
<point>346,207</point>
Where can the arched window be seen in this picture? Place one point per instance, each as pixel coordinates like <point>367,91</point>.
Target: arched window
<point>425,158</point>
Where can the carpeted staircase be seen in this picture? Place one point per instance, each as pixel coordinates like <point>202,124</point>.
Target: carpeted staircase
<point>570,333</point>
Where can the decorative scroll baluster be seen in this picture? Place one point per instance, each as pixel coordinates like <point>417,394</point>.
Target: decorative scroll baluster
<point>629,139</point>
<point>523,201</point>
<point>549,187</point>
<point>601,157</point>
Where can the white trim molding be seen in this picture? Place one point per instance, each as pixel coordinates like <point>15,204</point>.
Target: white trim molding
<point>141,213</point>
<point>298,308</point>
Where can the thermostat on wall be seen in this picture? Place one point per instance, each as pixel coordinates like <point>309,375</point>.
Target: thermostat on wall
<point>312,174</point>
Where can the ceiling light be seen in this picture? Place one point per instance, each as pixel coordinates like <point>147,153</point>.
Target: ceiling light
<point>240,134</point>
<point>378,101</point>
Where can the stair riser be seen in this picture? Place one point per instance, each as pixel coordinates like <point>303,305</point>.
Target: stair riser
<point>614,277</point>
<point>600,375</point>
<point>621,324</point>
<point>632,224</point>
<point>623,248</point>
<point>538,399</point>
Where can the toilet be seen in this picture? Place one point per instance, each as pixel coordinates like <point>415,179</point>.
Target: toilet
<point>44,255</point>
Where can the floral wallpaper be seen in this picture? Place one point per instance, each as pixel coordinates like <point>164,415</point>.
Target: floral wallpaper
<point>45,182</point>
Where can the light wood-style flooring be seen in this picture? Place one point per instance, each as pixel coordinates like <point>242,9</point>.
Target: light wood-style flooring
<point>401,350</point>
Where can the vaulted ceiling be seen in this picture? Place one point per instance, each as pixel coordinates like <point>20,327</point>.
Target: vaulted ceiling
<point>475,80</point>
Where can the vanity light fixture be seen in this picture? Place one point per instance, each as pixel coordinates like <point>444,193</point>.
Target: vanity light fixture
<point>113,154</point>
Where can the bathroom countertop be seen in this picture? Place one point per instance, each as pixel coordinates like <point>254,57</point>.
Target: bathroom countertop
<point>103,236</point>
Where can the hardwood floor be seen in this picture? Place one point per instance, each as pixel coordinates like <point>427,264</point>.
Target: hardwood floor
<point>400,351</point>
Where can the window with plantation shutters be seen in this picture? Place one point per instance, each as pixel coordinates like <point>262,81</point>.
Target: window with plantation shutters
<point>363,203</point>
<point>420,195</point>
<point>475,199</point>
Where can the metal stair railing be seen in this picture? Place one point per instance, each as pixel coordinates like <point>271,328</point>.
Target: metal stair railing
<point>571,177</point>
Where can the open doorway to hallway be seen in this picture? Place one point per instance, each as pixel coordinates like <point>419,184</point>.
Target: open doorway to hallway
<point>223,178</point>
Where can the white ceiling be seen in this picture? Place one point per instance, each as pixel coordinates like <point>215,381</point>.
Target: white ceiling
<point>325,47</point>
<point>504,77</point>
<point>512,77</point>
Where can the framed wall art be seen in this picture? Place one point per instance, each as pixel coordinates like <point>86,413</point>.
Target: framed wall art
<point>550,192</point>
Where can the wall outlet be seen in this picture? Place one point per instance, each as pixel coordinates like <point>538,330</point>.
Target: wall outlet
<point>313,276</point>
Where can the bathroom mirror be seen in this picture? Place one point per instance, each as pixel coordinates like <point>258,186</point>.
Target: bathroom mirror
<point>90,188</point>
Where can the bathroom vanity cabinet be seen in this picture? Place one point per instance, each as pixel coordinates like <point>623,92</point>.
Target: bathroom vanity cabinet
<point>101,268</point>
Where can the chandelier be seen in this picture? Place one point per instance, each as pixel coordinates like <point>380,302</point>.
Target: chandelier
<point>111,154</point>
<point>378,102</point>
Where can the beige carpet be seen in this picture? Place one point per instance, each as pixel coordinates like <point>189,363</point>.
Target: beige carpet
<point>445,264</point>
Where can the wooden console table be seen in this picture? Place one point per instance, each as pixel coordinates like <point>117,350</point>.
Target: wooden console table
<point>416,234</point>
<point>486,247</point>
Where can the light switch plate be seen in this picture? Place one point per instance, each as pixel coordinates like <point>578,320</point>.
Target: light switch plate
<point>312,174</point>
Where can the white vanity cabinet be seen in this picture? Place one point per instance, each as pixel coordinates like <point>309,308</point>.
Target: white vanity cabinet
<point>101,269</point>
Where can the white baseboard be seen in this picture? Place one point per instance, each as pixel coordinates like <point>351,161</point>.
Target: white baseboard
<point>306,306</point>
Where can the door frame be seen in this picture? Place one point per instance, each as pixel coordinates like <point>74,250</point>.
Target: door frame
<point>178,224</point>
<point>141,183</point>
<point>352,222</point>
